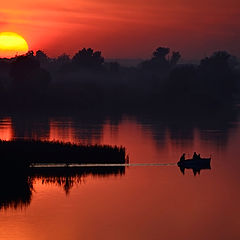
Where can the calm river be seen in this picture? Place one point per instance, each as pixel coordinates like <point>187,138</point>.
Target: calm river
<point>135,202</point>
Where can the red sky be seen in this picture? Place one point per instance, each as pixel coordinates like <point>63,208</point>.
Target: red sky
<point>126,28</point>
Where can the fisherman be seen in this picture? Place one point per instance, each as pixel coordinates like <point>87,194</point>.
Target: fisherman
<point>182,158</point>
<point>195,156</point>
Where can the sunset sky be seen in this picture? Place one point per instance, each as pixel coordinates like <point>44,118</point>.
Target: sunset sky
<point>126,28</point>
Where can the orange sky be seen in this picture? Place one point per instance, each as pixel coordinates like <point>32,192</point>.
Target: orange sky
<point>126,28</point>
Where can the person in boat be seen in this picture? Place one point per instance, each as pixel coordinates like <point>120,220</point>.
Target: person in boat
<point>182,158</point>
<point>196,156</point>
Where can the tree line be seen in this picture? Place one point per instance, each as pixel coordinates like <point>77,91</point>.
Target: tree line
<point>88,80</point>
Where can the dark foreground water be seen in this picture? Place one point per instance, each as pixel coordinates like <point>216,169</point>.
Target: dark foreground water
<point>135,202</point>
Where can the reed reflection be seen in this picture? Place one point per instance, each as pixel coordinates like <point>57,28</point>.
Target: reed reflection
<point>16,191</point>
<point>68,177</point>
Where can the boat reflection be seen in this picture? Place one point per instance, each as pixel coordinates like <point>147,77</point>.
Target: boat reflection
<point>196,170</point>
<point>16,191</point>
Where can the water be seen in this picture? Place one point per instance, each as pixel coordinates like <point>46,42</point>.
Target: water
<point>148,199</point>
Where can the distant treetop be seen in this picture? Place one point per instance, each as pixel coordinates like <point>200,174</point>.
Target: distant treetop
<point>88,58</point>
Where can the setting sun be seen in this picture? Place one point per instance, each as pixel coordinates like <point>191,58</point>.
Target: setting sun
<point>12,44</point>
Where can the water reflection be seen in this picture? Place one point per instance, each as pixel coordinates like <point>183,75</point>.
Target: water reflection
<point>30,126</point>
<point>181,128</point>
<point>16,189</point>
<point>180,202</point>
<point>148,137</point>
<point>88,128</point>
<point>68,177</point>
<point>195,170</point>
<point>6,128</point>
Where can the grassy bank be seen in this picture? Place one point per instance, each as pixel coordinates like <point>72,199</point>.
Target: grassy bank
<point>24,153</point>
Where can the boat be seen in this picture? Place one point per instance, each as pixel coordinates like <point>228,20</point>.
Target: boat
<point>196,163</point>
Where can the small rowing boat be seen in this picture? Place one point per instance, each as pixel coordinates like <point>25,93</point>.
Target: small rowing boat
<point>196,163</point>
<point>191,163</point>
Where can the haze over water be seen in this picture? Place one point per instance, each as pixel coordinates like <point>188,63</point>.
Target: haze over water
<point>141,202</point>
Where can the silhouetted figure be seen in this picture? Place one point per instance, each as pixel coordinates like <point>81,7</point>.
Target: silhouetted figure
<point>195,156</point>
<point>182,157</point>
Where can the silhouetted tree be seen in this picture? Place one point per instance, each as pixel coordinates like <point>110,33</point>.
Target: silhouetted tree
<point>87,58</point>
<point>159,61</point>
<point>42,57</point>
<point>28,78</point>
<point>113,67</point>
<point>21,67</point>
<point>63,59</point>
<point>175,58</point>
<point>4,65</point>
<point>4,76</point>
<point>161,53</point>
<point>2,89</point>
<point>182,80</point>
<point>216,75</point>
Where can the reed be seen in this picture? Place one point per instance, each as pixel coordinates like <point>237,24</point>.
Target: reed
<point>24,153</point>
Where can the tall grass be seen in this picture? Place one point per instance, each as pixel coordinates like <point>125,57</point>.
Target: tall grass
<point>23,153</point>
